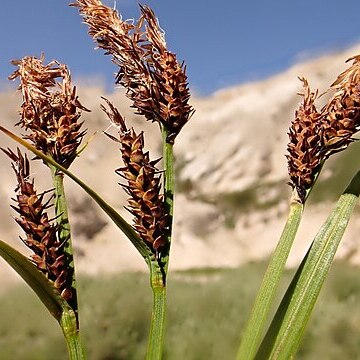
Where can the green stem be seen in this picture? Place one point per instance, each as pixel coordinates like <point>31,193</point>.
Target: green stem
<point>62,218</point>
<point>159,268</point>
<point>257,321</point>
<point>294,311</point>
<point>168,158</point>
<point>68,323</point>
<point>157,327</point>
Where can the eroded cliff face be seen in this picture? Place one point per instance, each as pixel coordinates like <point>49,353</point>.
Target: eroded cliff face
<point>232,197</point>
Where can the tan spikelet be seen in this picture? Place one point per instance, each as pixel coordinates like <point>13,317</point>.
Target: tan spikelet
<point>143,184</point>
<point>51,110</point>
<point>305,151</point>
<point>341,115</point>
<point>41,232</point>
<point>153,78</point>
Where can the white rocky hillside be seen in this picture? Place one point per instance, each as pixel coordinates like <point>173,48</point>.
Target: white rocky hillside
<point>232,194</point>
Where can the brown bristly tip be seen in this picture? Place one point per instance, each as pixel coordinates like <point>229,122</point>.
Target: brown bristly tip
<point>51,110</point>
<point>341,115</point>
<point>153,78</point>
<point>143,184</point>
<point>41,232</point>
<point>305,151</point>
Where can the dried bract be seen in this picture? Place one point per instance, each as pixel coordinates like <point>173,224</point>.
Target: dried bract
<point>305,150</point>
<point>50,109</point>
<point>41,233</point>
<point>143,179</point>
<point>155,81</point>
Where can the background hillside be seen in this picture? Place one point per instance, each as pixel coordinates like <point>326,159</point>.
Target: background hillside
<point>232,196</point>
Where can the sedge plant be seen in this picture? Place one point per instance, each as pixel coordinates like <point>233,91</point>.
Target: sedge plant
<point>156,83</point>
<point>314,136</point>
<point>50,115</point>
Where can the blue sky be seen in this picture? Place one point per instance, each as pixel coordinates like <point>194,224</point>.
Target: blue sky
<point>222,42</point>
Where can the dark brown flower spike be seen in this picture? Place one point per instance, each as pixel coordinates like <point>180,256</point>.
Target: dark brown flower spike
<point>143,179</point>
<point>316,135</point>
<point>341,115</point>
<point>41,232</point>
<point>155,81</point>
<point>50,109</point>
<point>305,150</point>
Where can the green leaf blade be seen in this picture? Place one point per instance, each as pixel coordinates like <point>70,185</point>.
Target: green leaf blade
<point>285,333</point>
<point>255,327</point>
<point>43,287</point>
<point>118,220</point>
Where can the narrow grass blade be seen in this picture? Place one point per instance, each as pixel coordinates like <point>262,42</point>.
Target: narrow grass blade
<point>49,296</point>
<point>286,331</point>
<point>110,211</point>
<point>256,324</point>
<point>270,337</point>
<point>35,279</point>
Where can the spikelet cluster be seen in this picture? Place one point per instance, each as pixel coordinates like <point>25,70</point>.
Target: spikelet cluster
<point>143,184</point>
<point>41,232</point>
<point>341,115</point>
<point>315,135</point>
<point>153,78</point>
<point>305,151</point>
<point>51,109</point>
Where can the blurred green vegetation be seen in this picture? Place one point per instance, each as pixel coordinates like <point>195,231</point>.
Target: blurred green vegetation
<point>207,310</point>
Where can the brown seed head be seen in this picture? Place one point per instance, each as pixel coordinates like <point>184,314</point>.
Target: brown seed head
<point>50,109</point>
<point>143,184</point>
<point>314,135</point>
<point>41,233</point>
<point>341,115</point>
<point>154,79</point>
<point>305,150</point>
